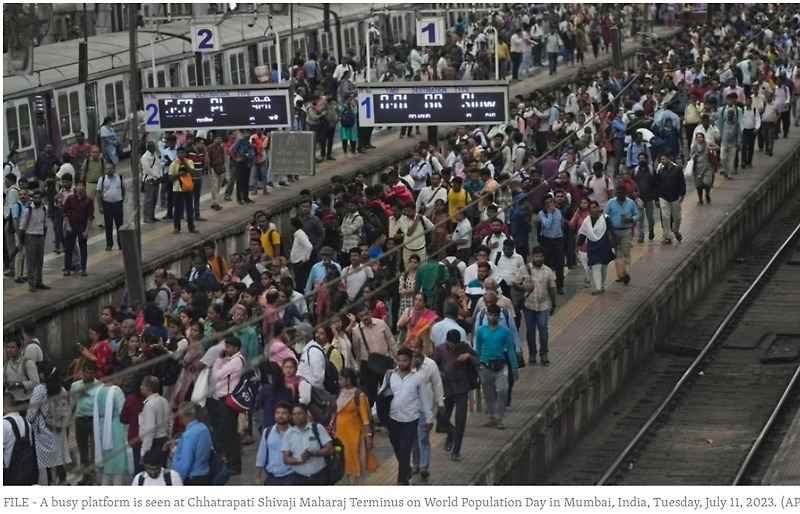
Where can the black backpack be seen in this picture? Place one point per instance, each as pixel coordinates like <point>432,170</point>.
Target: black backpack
<point>452,267</point>
<point>331,381</point>
<point>334,463</point>
<point>347,118</point>
<point>23,458</point>
<point>167,477</point>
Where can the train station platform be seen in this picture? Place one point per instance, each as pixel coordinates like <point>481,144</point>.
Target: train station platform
<point>785,466</point>
<point>160,247</point>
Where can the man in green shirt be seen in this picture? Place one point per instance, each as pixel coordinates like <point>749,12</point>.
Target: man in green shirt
<point>430,276</point>
<point>81,399</point>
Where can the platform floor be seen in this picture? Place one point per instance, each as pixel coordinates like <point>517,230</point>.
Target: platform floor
<point>158,240</point>
<point>785,466</point>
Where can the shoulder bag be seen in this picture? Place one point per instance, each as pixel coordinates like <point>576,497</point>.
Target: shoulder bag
<point>377,363</point>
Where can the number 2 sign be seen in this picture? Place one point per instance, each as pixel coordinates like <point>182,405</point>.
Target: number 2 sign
<point>430,31</point>
<point>205,38</point>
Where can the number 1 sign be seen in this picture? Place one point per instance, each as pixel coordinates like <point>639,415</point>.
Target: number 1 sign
<point>430,31</point>
<point>205,38</point>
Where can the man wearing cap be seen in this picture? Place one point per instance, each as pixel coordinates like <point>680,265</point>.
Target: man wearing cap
<point>623,214</point>
<point>318,271</point>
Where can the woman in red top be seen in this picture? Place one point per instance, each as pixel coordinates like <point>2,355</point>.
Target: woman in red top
<point>575,224</point>
<point>99,350</point>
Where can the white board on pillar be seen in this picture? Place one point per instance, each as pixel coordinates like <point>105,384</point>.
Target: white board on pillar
<point>430,31</point>
<point>205,38</point>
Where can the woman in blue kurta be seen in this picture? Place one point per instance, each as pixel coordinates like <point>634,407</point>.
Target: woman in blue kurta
<point>110,435</point>
<point>599,249</point>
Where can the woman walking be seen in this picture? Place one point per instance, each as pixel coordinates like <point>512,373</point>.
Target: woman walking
<point>703,169</point>
<point>354,428</point>
<point>599,250</point>
<point>419,320</point>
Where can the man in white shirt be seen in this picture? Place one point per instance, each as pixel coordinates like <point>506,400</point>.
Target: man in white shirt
<point>432,381</point>
<point>342,67</point>
<point>312,364</point>
<point>508,263</point>
<point>155,473</point>
<point>429,194</point>
<point>496,240</point>
<point>356,274</point>
<point>155,420</point>
<point>300,255</point>
<point>151,178</point>
<point>419,171</point>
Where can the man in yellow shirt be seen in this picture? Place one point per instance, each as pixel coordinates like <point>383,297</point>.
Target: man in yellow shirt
<point>270,238</point>
<point>457,198</point>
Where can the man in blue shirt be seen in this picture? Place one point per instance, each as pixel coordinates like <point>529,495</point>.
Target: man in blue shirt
<point>269,458</point>
<point>638,146</point>
<point>492,344</point>
<point>624,214</point>
<point>551,223</point>
<point>618,128</point>
<point>192,456</point>
<point>319,270</point>
<point>305,449</point>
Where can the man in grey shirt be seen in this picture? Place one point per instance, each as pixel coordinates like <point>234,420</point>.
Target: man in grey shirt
<point>33,225</point>
<point>155,420</point>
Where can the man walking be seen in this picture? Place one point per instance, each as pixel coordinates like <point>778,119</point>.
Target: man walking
<point>409,403</point>
<point>78,215</point>
<point>551,239</point>
<point>432,380</point>
<point>243,156</point>
<point>552,44</point>
<point>537,283</point>
<point>33,226</point>
<point>269,458</point>
<point>671,188</point>
<point>111,188</point>
<point>305,447</point>
<point>216,163</point>
<point>492,344</point>
<point>623,214</point>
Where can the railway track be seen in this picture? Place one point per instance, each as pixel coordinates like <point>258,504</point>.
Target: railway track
<point>692,416</point>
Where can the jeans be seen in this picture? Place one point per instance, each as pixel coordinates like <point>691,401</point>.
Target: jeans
<point>670,218</point>
<point>150,200</point>
<point>34,257</point>
<point>455,433</point>
<point>183,200</point>
<point>421,450</point>
<point>58,227</point>
<point>769,129</point>
<point>402,436</point>
<point>166,197</point>
<point>647,211</point>
<point>76,233</point>
<point>748,146</point>
<point>536,321</point>
<point>554,257</point>
<point>516,61</point>
<point>495,391</point>
<point>112,216</point>
<point>553,58</point>
<point>258,176</point>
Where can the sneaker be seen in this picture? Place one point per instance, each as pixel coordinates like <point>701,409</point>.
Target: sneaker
<point>491,423</point>
<point>545,360</point>
<point>678,236</point>
<point>500,425</point>
<point>424,473</point>
<point>666,241</point>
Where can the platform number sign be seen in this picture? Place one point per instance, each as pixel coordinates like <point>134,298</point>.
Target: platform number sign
<point>430,31</point>
<point>205,38</point>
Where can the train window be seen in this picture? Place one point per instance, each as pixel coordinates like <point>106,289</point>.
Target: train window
<point>174,74</point>
<point>63,114</point>
<point>192,76</point>
<point>347,41</point>
<point>25,126</point>
<point>75,111</point>
<point>13,130</point>
<point>110,104</point>
<point>207,73</point>
<point>162,78</point>
<point>218,65</point>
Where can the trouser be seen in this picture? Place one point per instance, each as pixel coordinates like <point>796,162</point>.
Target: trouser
<point>19,260</point>
<point>216,185</point>
<point>760,137</point>
<point>689,127</point>
<point>242,182</point>
<point>112,217</point>
<point>553,58</point>
<point>525,67</point>
<point>258,176</point>
<point>166,197</point>
<point>796,109</point>
<point>769,130</point>
<point>537,49</point>
<point>271,479</point>
<point>625,240</point>
<point>619,154</point>
<point>326,141</point>
<point>363,138</point>
<point>91,192</point>
<point>201,480</point>
<point>394,306</point>
<point>150,200</point>
<point>596,48</point>
<point>784,119</point>
<point>320,478</point>
<point>727,157</point>
<point>510,380</point>
<point>402,436</point>
<point>579,54</point>
<point>8,240</point>
<point>516,61</point>
<point>670,218</point>
<point>646,211</point>
<point>34,255</point>
<point>520,232</point>
<point>231,182</point>
<point>583,258</point>
<point>352,146</point>
<point>569,247</point>
<point>569,56</point>
<point>183,200</point>
<point>455,433</point>
<point>536,321</point>
<point>137,459</point>
<point>58,228</point>
<point>495,390</point>
<point>554,257</point>
<point>84,438</point>
<point>371,382</point>
<point>421,450</point>
<point>599,276</point>
<point>301,272</point>
<point>224,421</point>
<point>158,445</point>
<point>748,146</point>
<point>540,142</point>
<point>197,184</point>
<point>407,131</point>
<point>73,235</point>
<point>319,139</point>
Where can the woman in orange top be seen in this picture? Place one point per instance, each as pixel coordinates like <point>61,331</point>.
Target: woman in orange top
<point>354,429</point>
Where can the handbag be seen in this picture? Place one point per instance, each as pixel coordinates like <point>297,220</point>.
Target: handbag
<point>619,264</point>
<point>377,363</point>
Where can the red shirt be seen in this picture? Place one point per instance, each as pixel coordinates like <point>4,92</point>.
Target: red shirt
<point>134,404</point>
<point>78,210</point>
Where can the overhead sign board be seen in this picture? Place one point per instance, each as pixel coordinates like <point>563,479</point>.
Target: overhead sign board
<point>440,103</point>
<point>205,38</point>
<point>430,31</point>
<point>292,153</point>
<point>223,108</point>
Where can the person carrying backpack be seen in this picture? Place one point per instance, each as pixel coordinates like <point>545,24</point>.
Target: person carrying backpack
<point>19,451</point>
<point>154,473</point>
<point>307,453</point>
<point>348,125</point>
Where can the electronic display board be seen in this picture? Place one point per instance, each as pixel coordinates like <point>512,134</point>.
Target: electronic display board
<point>220,108</point>
<point>435,103</point>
